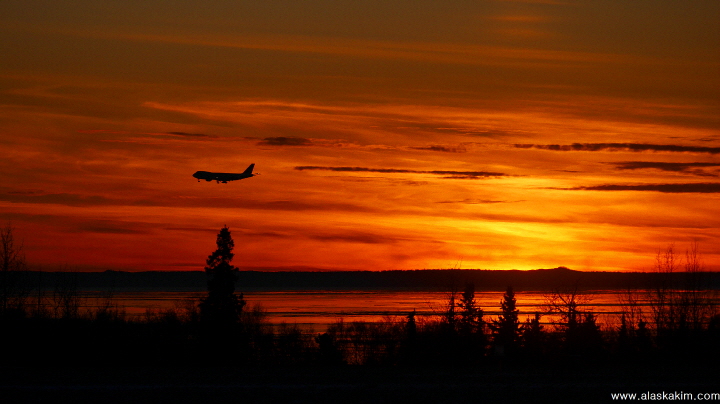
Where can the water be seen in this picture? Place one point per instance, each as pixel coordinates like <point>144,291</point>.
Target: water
<point>316,309</point>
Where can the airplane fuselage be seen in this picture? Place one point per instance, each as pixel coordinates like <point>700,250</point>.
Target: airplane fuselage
<point>224,177</point>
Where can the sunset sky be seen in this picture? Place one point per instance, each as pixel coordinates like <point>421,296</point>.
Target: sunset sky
<point>389,134</point>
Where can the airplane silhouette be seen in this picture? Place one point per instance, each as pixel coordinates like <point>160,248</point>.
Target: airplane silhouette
<point>225,177</point>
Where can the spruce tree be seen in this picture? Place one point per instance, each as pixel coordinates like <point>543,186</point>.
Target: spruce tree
<point>470,345</point>
<point>471,316</point>
<point>506,329</point>
<point>221,306</point>
<point>532,336</point>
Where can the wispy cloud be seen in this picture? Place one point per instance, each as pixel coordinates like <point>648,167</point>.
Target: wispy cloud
<point>82,224</point>
<point>80,200</point>
<point>547,2</point>
<point>702,188</point>
<point>633,147</point>
<point>190,135</point>
<point>241,202</point>
<point>690,168</point>
<point>64,198</point>
<point>285,141</point>
<point>114,227</point>
<point>476,201</point>
<point>438,52</point>
<point>444,149</point>
<point>354,237</point>
<point>444,173</point>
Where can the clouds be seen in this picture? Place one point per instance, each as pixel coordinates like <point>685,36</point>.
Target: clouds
<point>285,141</point>
<point>443,149</point>
<point>64,198</point>
<point>444,173</point>
<point>361,118</point>
<point>701,188</point>
<point>688,168</point>
<point>105,226</point>
<point>162,199</point>
<point>354,237</point>
<point>635,165</point>
<point>191,135</point>
<point>476,201</point>
<point>632,147</point>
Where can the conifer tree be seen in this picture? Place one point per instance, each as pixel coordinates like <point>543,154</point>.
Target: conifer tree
<point>532,336</point>
<point>221,305</point>
<point>470,345</point>
<point>471,316</point>
<point>506,329</point>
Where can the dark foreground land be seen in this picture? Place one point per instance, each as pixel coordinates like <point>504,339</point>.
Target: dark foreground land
<point>492,383</point>
<point>216,350</point>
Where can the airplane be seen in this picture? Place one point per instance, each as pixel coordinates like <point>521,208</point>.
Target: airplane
<point>225,177</point>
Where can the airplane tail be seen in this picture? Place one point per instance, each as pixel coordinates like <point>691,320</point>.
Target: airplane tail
<point>249,170</point>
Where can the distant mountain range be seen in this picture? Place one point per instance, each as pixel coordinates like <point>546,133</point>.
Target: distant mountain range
<point>425,279</point>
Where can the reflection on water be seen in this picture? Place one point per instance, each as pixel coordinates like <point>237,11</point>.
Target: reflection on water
<point>317,309</point>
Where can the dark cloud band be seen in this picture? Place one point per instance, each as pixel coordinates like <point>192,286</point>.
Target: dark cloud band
<point>190,135</point>
<point>633,147</point>
<point>443,149</point>
<point>635,165</point>
<point>689,168</point>
<point>702,188</point>
<point>67,199</point>
<point>446,174</point>
<point>285,141</point>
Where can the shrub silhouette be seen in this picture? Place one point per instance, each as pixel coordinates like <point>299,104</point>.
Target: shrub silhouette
<point>329,354</point>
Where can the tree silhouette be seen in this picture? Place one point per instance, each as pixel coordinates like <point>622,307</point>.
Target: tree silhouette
<point>329,352</point>
<point>470,346</point>
<point>506,329</point>
<point>471,316</point>
<point>586,338</point>
<point>13,291</point>
<point>409,348</point>
<point>411,326</point>
<point>533,337</point>
<point>221,306</point>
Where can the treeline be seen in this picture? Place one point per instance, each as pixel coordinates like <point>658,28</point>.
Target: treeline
<point>676,327</point>
<point>667,322</point>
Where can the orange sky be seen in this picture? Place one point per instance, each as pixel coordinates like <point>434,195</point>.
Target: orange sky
<point>390,135</point>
